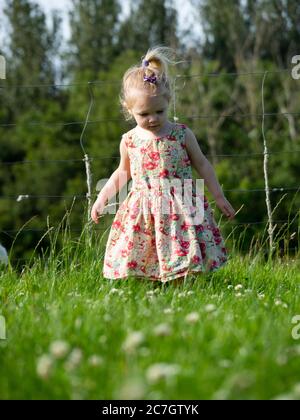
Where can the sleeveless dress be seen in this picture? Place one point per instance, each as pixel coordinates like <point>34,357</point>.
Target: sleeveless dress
<point>145,241</point>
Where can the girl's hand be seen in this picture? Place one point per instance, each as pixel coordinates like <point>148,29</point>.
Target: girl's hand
<point>225,207</point>
<point>97,210</point>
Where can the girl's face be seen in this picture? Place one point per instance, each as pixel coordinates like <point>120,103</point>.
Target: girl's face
<point>150,112</point>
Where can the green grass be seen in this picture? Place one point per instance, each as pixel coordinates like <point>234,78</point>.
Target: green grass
<point>241,346</point>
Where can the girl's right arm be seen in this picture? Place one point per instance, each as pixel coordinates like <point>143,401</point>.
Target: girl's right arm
<point>115,183</point>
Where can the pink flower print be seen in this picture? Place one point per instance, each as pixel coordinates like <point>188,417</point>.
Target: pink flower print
<point>186,161</point>
<point>218,240</point>
<point>203,249</point>
<point>195,259</point>
<point>182,125</point>
<point>166,268</point>
<point>199,228</point>
<point>174,237</point>
<point>162,230</point>
<point>224,250</point>
<point>153,242</point>
<point>181,252</point>
<point>164,173</point>
<point>216,232</point>
<point>205,203</point>
<point>143,269</point>
<point>185,244</point>
<point>130,245</point>
<point>116,273</point>
<point>213,264</point>
<point>185,226</point>
<point>130,143</point>
<point>116,224</point>
<point>136,228</point>
<point>174,217</point>
<point>171,138</point>
<point>109,265</point>
<point>143,150</point>
<point>132,264</point>
<point>124,253</point>
<point>154,155</point>
<point>202,246</point>
<point>150,165</point>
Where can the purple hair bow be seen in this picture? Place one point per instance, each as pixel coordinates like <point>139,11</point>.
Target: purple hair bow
<point>150,79</point>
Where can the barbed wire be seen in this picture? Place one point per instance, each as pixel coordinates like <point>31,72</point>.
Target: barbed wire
<point>21,197</point>
<point>120,119</point>
<point>233,155</point>
<point>118,82</point>
<point>61,230</point>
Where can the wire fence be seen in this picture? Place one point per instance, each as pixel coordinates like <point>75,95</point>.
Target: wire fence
<point>266,189</point>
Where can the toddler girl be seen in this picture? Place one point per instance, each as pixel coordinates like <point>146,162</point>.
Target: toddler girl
<point>155,234</point>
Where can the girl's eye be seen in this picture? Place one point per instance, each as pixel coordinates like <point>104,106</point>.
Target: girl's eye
<point>160,112</point>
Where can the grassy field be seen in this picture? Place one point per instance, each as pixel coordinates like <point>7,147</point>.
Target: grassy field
<point>70,334</point>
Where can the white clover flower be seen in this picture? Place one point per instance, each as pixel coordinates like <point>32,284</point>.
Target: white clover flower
<point>190,292</point>
<point>261,296</point>
<point>296,390</point>
<point>225,363</point>
<point>132,389</point>
<point>78,323</point>
<point>160,371</point>
<point>133,340</point>
<point>181,294</point>
<point>114,291</point>
<point>238,287</point>
<point>102,339</point>
<point>192,317</point>
<point>168,311</point>
<point>210,307</point>
<point>74,359</point>
<point>59,349</point>
<point>238,295</point>
<point>229,287</point>
<point>44,366</point>
<point>162,330</point>
<point>278,302</point>
<point>95,360</point>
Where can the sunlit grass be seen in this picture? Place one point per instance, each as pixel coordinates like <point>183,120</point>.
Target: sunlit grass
<point>72,334</point>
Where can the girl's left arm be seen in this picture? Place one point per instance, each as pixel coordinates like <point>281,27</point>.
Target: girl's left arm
<point>206,172</point>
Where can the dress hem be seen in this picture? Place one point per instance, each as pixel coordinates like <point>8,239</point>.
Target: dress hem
<point>169,278</point>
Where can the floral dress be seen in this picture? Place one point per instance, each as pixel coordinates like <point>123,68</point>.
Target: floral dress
<point>155,233</point>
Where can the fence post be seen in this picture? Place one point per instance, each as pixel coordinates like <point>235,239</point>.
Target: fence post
<point>266,177</point>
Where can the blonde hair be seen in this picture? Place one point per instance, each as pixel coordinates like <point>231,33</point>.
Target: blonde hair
<point>154,63</point>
